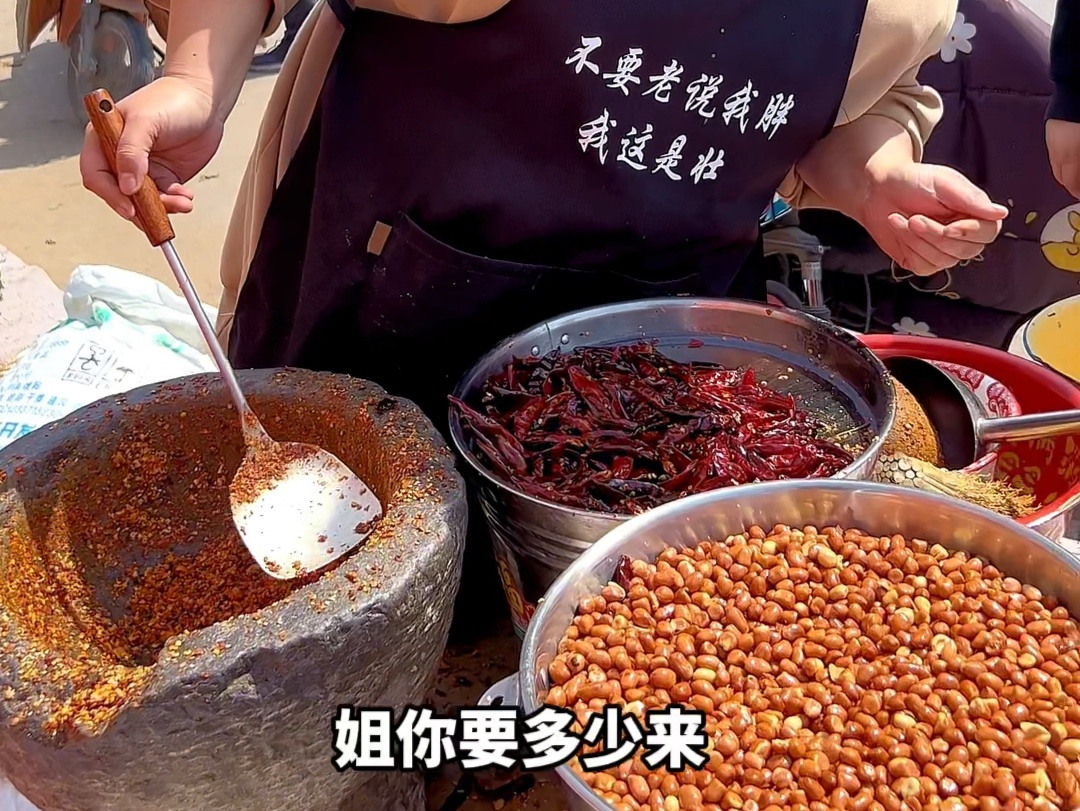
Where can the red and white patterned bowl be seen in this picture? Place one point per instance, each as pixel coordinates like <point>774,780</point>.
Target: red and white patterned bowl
<point>993,398</point>
<point>1048,469</point>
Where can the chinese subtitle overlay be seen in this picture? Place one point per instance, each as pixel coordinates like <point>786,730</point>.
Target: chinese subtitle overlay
<point>374,739</point>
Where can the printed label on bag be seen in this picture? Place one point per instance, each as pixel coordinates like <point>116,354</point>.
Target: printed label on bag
<point>520,610</point>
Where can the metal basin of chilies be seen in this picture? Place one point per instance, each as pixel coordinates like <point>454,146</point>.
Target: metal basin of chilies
<point>828,371</point>
<point>875,508</point>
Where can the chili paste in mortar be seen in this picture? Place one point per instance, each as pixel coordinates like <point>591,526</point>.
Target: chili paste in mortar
<point>623,429</point>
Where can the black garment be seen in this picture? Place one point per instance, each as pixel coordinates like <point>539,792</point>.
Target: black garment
<point>503,154</point>
<point>1065,62</point>
<point>460,183</point>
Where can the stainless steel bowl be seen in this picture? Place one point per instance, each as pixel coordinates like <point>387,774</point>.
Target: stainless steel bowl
<point>876,508</point>
<point>826,368</point>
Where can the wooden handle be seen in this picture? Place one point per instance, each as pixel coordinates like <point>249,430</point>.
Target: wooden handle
<point>108,123</point>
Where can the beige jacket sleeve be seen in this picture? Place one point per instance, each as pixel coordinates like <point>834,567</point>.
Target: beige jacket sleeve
<point>897,37</point>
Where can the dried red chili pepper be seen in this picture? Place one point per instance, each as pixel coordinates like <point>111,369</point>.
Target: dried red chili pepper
<point>623,429</point>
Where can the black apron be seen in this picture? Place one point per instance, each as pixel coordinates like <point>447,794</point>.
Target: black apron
<point>555,155</point>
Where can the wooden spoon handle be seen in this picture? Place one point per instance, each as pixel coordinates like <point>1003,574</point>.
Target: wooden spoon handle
<point>108,123</point>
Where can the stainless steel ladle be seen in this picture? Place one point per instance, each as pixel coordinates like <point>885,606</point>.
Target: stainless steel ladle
<point>306,508</point>
<point>964,433</point>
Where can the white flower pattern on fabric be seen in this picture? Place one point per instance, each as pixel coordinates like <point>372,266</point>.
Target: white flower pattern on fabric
<point>909,326</point>
<point>958,39</point>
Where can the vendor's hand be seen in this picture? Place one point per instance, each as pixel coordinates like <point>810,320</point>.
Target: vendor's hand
<point>1063,144</point>
<point>929,218</point>
<point>169,132</point>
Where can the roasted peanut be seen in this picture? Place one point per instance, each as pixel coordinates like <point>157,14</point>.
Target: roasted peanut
<point>834,670</point>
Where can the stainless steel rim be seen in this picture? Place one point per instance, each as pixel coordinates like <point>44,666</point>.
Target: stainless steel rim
<point>614,539</point>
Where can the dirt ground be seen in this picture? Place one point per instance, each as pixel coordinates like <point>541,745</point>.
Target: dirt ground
<point>48,219</point>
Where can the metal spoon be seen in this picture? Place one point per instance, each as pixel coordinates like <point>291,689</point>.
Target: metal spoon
<point>297,507</point>
<point>963,431</point>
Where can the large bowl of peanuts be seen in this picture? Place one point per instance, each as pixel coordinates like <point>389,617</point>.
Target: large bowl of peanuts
<point>838,645</point>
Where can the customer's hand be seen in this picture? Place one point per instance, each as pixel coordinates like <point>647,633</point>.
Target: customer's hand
<point>929,218</point>
<point>170,132</point>
<point>1063,144</point>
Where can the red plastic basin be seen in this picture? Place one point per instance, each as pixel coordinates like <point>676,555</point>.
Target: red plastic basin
<point>1047,468</point>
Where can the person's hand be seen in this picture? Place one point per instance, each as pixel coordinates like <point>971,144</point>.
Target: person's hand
<point>1063,145</point>
<point>169,132</point>
<point>929,218</point>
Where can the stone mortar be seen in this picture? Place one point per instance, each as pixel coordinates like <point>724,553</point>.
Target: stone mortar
<point>240,718</point>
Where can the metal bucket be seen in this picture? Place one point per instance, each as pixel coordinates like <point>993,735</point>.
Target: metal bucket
<point>875,508</point>
<point>820,364</point>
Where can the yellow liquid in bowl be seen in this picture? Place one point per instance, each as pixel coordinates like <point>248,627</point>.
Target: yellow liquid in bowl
<point>1053,337</point>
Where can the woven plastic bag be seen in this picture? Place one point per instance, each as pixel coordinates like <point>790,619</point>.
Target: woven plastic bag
<point>124,330</point>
